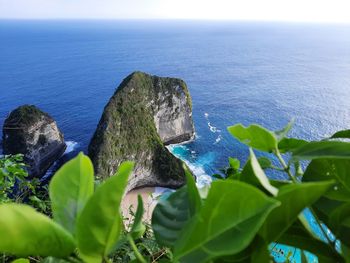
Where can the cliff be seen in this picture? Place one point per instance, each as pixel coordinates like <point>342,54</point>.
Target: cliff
<point>32,132</point>
<point>145,113</point>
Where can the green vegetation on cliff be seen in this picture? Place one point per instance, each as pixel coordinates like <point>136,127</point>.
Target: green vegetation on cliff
<point>127,129</point>
<point>26,114</point>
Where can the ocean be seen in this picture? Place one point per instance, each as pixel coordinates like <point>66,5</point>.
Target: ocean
<point>237,72</point>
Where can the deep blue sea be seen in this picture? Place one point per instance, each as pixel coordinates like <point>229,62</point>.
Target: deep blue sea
<point>248,72</point>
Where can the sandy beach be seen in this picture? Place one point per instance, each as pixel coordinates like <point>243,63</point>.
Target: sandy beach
<point>130,202</point>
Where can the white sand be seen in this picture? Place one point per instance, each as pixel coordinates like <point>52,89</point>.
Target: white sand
<point>130,199</point>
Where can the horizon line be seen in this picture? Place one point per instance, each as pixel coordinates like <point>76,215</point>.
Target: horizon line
<point>172,19</point>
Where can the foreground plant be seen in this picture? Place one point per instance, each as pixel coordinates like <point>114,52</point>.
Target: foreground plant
<point>16,186</point>
<point>86,225</point>
<point>236,221</point>
<point>243,214</point>
<point>12,170</point>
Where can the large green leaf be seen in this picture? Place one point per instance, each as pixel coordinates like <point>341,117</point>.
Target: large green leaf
<point>294,199</point>
<point>337,219</point>
<point>70,189</point>
<point>172,214</point>
<point>260,174</point>
<point>322,150</point>
<point>290,144</point>
<point>256,252</point>
<point>195,202</point>
<point>345,134</point>
<point>25,232</point>
<point>100,222</point>
<point>340,217</point>
<point>327,211</point>
<point>255,136</point>
<point>227,223</point>
<point>331,169</point>
<point>336,197</point>
<point>253,174</point>
<point>21,260</point>
<point>297,236</point>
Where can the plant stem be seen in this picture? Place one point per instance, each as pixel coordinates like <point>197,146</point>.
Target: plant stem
<point>136,251</point>
<point>285,166</point>
<point>320,226</point>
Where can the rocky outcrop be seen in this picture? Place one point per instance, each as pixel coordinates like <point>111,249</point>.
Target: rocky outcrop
<point>34,133</point>
<point>145,113</point>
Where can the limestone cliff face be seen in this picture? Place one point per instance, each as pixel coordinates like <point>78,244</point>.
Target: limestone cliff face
<point>34,133</point>
<point>145,113</point>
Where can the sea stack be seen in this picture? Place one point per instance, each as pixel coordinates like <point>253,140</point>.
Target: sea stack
<point>32,132</point>
<point>144,114</point>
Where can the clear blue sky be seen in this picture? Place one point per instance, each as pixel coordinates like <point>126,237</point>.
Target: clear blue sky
<point>280,10</point>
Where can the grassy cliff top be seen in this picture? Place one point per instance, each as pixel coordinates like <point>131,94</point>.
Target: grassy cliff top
<point>142,79</point>
<point>25,115</point>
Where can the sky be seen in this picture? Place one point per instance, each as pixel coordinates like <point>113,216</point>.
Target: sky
<point>334,11</point>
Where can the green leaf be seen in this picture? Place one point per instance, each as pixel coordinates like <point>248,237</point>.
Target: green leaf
<point>25,232</point>
<point>255,136</point>
<point>331,169</point>
<point>260,253</point>
<point>264,162</point>
<point>21,260</point>
<point>339,219</point>
<point>290,144</point>
<point>297,236</point>
<point>322,150</point>
<point>70,189</point>
<point>172,214</point>
<point>303,257</point>
<point>253,175</point>
<point>345,134</point>
<point>260,174</point>
<point>234,163</point>
<point>100,222</point>
<point>326,208</point>
<point>294,199</point>
<point>227,223</point>
<point>138,228</point>
<point>195,202</point>
<point>217,176</point>
<point>257,252</point>
<point>53,260</point>
<point>345,252</point>
<point>283,133</point>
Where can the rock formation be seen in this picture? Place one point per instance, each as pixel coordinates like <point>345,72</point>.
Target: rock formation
<point>145,113</point>
<point>34,133</point>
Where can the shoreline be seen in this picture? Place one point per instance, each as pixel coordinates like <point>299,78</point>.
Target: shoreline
<point>129,202</point>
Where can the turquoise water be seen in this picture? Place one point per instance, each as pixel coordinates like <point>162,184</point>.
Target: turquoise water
<point>264,73</point>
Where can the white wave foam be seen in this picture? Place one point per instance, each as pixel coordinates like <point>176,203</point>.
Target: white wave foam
<point>218,139</point>
<point>202,178</point>
<point>212,128</point>
<point>71,146</point>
